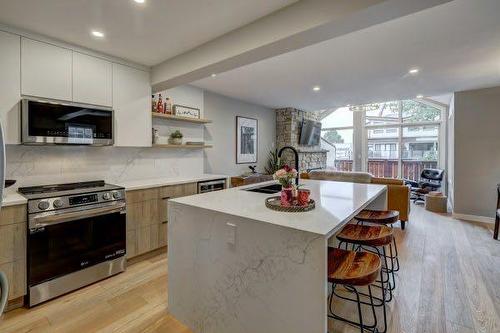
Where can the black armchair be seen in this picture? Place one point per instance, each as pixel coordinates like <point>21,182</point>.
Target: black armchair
<point>430,180</point>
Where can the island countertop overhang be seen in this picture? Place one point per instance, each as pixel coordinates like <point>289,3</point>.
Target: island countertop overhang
<point>336,204</point>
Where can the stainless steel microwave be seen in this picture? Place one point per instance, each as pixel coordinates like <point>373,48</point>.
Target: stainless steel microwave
<point>51,122</point>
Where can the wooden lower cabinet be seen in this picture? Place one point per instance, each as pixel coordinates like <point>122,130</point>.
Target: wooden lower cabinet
<point>147,216</point>
<point>13,248</point>
<point>16,275</point>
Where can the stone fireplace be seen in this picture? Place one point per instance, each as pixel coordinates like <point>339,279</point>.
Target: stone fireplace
<point>288,122</point>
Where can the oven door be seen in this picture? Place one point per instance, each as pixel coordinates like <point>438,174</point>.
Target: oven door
<point>60,243</point>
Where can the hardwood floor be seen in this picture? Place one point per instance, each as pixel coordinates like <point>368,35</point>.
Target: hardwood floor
<point>449,282</point>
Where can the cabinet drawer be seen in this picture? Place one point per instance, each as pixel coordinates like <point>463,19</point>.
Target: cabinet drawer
<point>141,195</point>
<point>12,242</point>
<point>16,275</point>
<point>175,191</point>
<point>13,214</point>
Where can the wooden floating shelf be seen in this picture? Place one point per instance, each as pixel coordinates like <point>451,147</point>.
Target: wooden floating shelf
<point>181,146</point>
<point>172,117</point>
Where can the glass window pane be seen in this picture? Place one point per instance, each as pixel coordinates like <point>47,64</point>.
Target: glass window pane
<point>383,114</point>
<point>339,144</point>
<point>419,150</point>
<point>341,117</point>
<point>414,112</point>
<point>383,152</point>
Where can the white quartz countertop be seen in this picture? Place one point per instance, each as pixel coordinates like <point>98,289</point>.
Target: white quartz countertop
<point>157,182</point>
<point>12,198</point>
<point>336,204</point>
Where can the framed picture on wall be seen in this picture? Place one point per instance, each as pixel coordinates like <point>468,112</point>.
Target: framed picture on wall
<point>246,140</point>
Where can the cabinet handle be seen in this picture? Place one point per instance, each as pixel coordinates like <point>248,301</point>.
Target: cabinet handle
<point>164,222</point>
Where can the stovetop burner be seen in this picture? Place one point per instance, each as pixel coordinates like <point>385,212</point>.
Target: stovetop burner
<point>68,189</point>
<point>31,190</point>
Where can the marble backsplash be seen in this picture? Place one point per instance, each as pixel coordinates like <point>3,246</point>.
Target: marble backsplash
<point>35,165</point>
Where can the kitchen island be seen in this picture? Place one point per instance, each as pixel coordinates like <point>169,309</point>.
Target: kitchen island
<point>237,266</point>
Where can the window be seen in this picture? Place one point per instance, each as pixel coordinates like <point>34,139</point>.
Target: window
<point>337,137</point>
<point>396,139</point>
<point>397,145</point>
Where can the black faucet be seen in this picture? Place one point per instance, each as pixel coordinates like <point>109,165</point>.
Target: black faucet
<point>296,160</point>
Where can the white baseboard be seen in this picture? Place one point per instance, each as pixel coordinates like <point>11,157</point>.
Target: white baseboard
<point>474,218</point>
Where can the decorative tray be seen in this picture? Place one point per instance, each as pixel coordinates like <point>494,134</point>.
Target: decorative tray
<point>274,203</point>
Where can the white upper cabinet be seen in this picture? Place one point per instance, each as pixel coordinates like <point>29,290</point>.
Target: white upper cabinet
<point>132,107</point>
<point>10,91</point>
<point>92,80</point>
<point>46,70</point>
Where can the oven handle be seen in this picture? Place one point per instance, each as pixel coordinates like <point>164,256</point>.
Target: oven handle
<point>46,220</point>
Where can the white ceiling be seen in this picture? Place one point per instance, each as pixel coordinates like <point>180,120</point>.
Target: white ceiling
<point>146,33</point>
<point>456,46</point>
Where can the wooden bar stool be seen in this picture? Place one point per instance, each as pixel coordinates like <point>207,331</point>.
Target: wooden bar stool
<point>351,269</point>
<point>371,238</point>
<point>385,217</point>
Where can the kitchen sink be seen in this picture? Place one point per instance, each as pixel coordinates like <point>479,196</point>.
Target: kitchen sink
<point>269,189</point>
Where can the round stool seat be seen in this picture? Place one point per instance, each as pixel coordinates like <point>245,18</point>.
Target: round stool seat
<point>378,216</point>
<point>352,268</point>
<point>377,235</point>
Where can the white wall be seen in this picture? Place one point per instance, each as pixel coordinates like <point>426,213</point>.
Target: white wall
<point>476,152</point>
<point>35,165</point>
<point>450,150</point>
<point>187,96</point>
<point>221,159</point>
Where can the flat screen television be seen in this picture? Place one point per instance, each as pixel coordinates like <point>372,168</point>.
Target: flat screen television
<point>310,133</point>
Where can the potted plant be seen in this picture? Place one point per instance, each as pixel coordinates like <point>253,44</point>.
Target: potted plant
<point>273,162</point>
<point>285,177</point>
<point>176,138</point>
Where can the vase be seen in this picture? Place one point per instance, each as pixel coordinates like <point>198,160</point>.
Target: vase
<point>175,141</point>
<point>303,197</point>
<point>286,196</point>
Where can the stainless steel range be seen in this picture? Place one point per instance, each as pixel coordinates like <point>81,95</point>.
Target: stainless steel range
<point>76,236</point>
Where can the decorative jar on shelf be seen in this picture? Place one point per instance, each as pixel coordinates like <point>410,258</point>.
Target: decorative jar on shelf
<point>175,138</point>
<point>175,141</point>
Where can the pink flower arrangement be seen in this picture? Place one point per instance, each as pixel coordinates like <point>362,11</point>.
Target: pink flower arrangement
<point>285,176</point>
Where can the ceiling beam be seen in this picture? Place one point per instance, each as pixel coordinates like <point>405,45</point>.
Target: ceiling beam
<point>304,23</point>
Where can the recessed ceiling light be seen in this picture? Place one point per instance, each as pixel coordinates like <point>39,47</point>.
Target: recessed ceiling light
<point>414,71</point>
<point>213,75</point>
<point>316,88</point>
<point>140,1</point>
<point>420,96</point>
<point>98,34</point>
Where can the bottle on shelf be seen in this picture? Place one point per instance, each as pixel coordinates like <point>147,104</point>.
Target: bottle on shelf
<point>159,105</point>
<point>153,103</point>
<point>168,106</point>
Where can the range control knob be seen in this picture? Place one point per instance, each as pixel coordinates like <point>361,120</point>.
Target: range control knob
<point>43,205</point>
<point>58,203</point>
<point>116,195</point>
<point>106,196</point>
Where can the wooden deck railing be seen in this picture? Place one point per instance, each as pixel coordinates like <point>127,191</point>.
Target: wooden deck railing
<point>389,168</point>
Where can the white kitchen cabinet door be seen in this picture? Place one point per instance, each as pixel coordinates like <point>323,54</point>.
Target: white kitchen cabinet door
<point>132,107</point>
<point>45,70</point>
<point>92,80</point>
<point>10,91</point>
